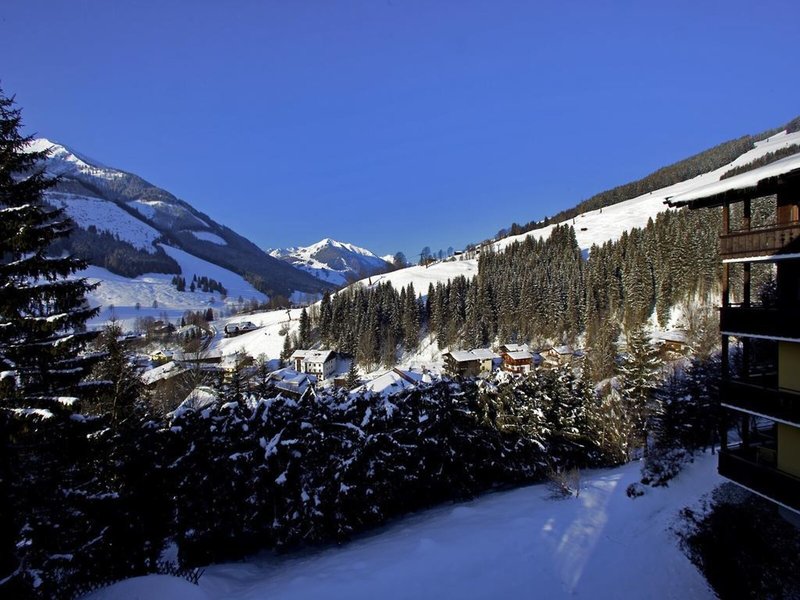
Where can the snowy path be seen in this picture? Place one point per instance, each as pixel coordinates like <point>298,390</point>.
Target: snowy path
<point>516,544</point>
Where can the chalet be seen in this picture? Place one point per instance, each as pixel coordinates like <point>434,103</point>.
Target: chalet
<point>517,358</point>
<point>238,327</point>
<point>320,363</point>
<point>162,372</point>
<point>558,355</point>
<point>670,343</point>
<point>291,382</point>
<point>162,328</point>
<point>767,383</point>
<point>470,363</point>
<point>391,382</point>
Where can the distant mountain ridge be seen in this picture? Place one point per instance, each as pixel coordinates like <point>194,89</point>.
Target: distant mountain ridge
<point>128,217</point>
<point>332,261</point>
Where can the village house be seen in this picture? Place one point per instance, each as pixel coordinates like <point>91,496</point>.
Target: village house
<point>238,327</point>
<point>291,382</point>
<point>391,382</point>
<point>470,363</point>
<point>517,358</point>
<point>161,356</point>
<point>320,363</point>
<point>558,355</point>
<point>670,344</point>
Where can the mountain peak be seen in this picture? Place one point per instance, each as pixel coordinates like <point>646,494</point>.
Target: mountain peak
<point>333,261</point>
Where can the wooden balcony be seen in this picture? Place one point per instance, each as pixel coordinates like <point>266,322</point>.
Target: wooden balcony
<point>761,396</point>
<point>774,240</point>
<point>755,321</point>
<point>754,468</point>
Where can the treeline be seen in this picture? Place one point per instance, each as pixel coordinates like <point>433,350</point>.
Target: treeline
<point>705,161</point>
<point>769,157</point>
<point>108,251</point>
<point>202,283</point>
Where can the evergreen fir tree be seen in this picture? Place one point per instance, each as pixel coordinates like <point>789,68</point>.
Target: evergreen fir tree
<point>119,386</point>
<point>42,332</point>
<point>353,380</point>
<point>305,329</point>
<point>637,378</point>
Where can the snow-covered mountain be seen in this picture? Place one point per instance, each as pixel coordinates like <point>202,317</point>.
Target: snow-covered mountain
<point>609,223</point>
<point>334,262</point>
<point>137,236</point>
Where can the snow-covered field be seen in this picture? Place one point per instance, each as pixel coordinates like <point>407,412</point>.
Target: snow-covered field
<point>422,277</point>
<point>123,293</point>
<point>515,544</point>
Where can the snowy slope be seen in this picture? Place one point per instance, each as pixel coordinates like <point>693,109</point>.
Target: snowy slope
<point>91,211</point>
<point>137,212</point>
<point>516,544</point>
<point>335,262</point>
<point>155,293</point>
<point>422,277</point>
<point>599,226</point>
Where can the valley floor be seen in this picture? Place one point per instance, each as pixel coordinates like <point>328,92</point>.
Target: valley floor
<point>514,544</point>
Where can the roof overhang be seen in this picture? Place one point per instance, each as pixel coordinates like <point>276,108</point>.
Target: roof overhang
<point>735,189</point>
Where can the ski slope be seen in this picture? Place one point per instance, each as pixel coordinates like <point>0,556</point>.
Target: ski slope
<point>422,277</point>
<point>518,544</point>
<point>610,222</point>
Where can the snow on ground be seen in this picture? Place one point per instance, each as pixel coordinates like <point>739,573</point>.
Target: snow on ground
<point>744,180</point>
<point>513,544</point>
<point>267,339</point>
<point>106,216</point>
<point>422,277</point>
<point>63,161</point>
<point>123,293</point>
<point>609,223</point>
<point>151,587</point>
<point>209,237</point>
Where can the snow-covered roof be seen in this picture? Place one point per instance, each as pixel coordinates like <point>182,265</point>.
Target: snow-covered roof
<point>669,336</point>
<point>200,397</point>
<point>516,347</point>
<point>484,354</point>
<point>240,325</point>
<point>520,355</point>
<point>472,355</point>
<point>463,356</point>
<point>164,371</point>
<point>760,181</point>
<point>389,383</point>
<point>292,381</point>
<point>318,356</point>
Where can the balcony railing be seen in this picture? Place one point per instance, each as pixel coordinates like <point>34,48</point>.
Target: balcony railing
<point>760,322</point>
<point>761,397</point>
<point>764,241</point>
<point>753,467</point>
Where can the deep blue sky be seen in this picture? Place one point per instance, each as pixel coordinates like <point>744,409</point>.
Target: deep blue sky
<point>395,124</point>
